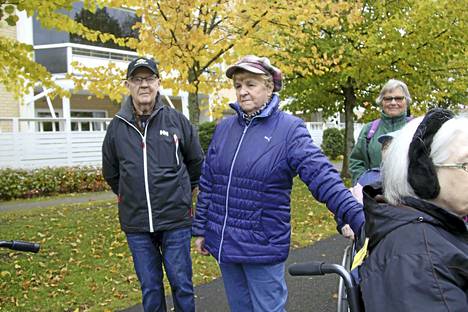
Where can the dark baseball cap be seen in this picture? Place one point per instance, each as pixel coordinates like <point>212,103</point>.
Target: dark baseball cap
<point>142,62</point>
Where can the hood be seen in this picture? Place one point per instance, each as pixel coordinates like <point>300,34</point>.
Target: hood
<point>383,218</point>
<point>272,106</point>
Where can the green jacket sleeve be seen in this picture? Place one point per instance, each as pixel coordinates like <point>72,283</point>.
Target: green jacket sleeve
<point>358,160</point>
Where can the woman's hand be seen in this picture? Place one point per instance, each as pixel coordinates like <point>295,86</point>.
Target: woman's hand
<point>200,246</point>
<point>347,232</point>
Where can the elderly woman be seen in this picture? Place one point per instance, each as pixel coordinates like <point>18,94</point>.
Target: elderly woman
<point>394,98</point>
<point>243,210</point>
<point>418,247</point>
<point>366,156</point>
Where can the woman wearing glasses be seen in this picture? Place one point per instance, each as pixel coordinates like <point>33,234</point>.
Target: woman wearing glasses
<point>418,242</point>
<point>366,156</point>
<point>394,99</point>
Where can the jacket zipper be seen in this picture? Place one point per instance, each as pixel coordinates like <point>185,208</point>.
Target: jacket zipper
<point>145,167</point>
<point>227,190</point>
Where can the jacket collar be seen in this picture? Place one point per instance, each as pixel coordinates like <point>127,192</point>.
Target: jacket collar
<point>268,111</point>
<point>387,118</point>
<point>383,218</point>
<point>447,219</point>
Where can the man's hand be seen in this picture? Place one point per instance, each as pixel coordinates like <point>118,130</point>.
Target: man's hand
<point>347,232</point>
<point>200,246</point>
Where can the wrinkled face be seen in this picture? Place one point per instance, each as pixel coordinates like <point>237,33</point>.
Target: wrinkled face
<point>394,102</point>
<point>251,91</point>
<point>143,87</point>
<point>454,181</point>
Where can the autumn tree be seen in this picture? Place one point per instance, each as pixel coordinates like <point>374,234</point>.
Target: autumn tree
<point>194,40</point>
<point>343,66</point>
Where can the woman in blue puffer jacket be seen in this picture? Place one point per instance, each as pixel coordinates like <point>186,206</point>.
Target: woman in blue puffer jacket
<point>243,210</point>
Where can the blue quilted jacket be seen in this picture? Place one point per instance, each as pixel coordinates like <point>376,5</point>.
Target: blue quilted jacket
<point>243,208</point>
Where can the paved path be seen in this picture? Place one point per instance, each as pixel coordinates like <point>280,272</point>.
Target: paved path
<point>72,199</point>
<point>316,293</point>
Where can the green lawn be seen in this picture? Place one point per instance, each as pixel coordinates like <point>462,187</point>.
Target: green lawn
<point>84,263</point>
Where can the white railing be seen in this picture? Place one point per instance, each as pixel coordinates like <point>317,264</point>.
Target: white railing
<point>316,130</point>
<point>48,124</point>
<point>43,149</point>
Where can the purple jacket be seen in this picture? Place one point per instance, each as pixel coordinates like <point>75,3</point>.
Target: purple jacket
<point>243,208</point>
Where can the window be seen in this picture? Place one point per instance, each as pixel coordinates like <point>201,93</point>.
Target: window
<point>115,21</point>
<point>82,120</point>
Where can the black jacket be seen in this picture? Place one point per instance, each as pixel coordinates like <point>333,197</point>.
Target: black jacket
<point>152,173</point>
<point>418,257</point>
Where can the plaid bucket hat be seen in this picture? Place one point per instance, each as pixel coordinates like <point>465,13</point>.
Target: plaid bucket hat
<point>258,65</point>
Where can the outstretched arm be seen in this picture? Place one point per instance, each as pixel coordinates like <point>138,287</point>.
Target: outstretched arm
<point>322,178</point>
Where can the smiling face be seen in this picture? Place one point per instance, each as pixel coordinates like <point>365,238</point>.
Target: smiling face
<point>453,181</point>
<point>252,90</point>
<point>394,102</point>
<point>143,87</point>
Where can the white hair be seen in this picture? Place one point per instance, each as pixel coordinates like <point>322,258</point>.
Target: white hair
<point>444,137</point>
<point>395,164</point>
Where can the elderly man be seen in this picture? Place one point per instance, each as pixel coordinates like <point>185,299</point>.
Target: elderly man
<point>151,158</point>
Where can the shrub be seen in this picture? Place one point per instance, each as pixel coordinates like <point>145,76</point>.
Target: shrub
<point>333,142</point>
<point>205,132</point>
<point>21,183</point>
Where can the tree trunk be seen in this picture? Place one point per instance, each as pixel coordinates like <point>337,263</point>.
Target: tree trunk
<point>194,101</point>
<point>350,102</point>
<point>194,108</point>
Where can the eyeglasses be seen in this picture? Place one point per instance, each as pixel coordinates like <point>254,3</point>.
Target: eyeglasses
<point>391,98</point>
<point>463,166</point>
<point>139,80</point>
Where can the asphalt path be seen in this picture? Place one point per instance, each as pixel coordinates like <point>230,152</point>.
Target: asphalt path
<point>57,201</point>
<point>317,293</point>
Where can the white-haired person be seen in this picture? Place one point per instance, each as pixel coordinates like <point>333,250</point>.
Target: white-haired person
<point>418,240</point>
<point>243,210</point>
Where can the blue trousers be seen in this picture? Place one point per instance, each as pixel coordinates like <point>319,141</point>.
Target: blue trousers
<point>255,287</point>
<point>150,251</point>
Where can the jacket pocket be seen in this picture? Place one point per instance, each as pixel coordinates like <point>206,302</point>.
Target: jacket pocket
<point>166,151</point>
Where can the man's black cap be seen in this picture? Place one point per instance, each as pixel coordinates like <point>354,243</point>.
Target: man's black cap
<point>142,62</point>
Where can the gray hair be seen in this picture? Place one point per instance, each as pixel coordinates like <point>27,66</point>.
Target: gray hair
<point>395,170</point>
<point>391,85</point>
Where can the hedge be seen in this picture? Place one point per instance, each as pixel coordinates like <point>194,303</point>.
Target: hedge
<point>205,132</point>
<point>22,183</point>
<point>333,142</point>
